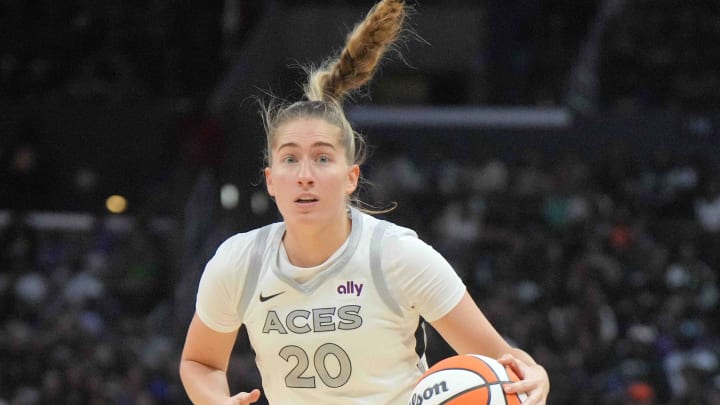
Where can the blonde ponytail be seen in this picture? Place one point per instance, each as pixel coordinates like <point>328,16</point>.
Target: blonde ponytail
<point>363,50</point>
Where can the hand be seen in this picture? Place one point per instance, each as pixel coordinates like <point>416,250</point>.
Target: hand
<point>534,380</point>
<point>244,398</point>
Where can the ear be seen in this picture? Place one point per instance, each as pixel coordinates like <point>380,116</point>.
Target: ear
<point>268,181</point>
<point>353,178</point>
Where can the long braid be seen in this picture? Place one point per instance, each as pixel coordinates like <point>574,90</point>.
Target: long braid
<point>364,48</point>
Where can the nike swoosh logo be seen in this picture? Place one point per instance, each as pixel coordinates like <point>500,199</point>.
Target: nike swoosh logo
<point>267,297</point>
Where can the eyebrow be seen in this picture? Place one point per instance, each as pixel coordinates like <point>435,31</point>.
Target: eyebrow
<point>315,145</point>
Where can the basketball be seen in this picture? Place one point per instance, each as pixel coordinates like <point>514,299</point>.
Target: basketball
<point>468,379</point>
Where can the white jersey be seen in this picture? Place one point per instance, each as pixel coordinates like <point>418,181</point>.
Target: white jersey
<point>344,332</point>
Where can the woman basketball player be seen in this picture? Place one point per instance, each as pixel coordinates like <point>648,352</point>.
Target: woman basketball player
<point>332,298</point>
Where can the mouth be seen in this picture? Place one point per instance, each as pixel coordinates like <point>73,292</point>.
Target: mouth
<point>306,200</point>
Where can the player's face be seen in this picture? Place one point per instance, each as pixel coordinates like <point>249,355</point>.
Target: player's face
<point>309,175</point>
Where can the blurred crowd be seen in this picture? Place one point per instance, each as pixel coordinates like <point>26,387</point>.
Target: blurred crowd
<point>605,269</point>
<point>86,313</point>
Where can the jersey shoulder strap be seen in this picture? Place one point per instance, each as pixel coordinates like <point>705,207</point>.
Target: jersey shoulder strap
<point>254,267</point>
<point>376,270</point>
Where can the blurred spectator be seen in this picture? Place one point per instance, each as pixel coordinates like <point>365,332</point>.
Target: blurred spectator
<point>530,178</point>
<point>640,393</point>
<point>397,172</point>
<point>457,227</point>
<point>707,207</point>
<point>707,215</point>
<point>488,176</point>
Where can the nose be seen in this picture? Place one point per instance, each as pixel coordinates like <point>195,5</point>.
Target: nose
<point>305,176</point>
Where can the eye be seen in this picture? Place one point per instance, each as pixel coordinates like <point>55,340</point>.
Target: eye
<point>288,159</point>
<point>323,159</point>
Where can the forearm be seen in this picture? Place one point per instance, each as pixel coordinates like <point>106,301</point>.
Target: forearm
<point>203,384</point>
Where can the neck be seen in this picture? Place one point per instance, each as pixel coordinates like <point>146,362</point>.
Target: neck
<point>311,246</point>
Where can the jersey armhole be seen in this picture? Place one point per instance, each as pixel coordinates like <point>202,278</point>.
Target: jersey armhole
<point>379,279</point>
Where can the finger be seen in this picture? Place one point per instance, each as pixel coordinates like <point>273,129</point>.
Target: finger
<point>514,363</point>
<point>508,359</point>
<point>519,387</point>
<point>254,395</point>
<point>534,392</point>
<point>248,397</point>
<point>534,399</point>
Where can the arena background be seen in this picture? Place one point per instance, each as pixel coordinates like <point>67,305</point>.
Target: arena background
<point>562,154</point>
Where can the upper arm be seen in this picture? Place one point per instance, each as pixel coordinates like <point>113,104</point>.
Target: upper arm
<point>208,347</point>
<point>420,277</point>
<point>466,329</point>
<point>221,284</point>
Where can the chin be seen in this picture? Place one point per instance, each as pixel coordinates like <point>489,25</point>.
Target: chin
<point>301,215</point>
<point>313,216</point>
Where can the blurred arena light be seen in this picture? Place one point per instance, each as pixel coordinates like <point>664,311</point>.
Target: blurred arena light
<point>259,203</point>
<point>116,204</point>
<point>229,196</point>
<point>463,117</point>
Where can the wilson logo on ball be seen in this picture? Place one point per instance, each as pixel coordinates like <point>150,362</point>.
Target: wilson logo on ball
<point>428,393</point>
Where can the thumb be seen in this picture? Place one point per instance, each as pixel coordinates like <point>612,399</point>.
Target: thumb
<point>245,398</point>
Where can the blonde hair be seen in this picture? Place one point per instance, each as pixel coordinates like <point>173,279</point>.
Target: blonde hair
<point>331,83</point>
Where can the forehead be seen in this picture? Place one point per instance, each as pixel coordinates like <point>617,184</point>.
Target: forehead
<point>305,132</point>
